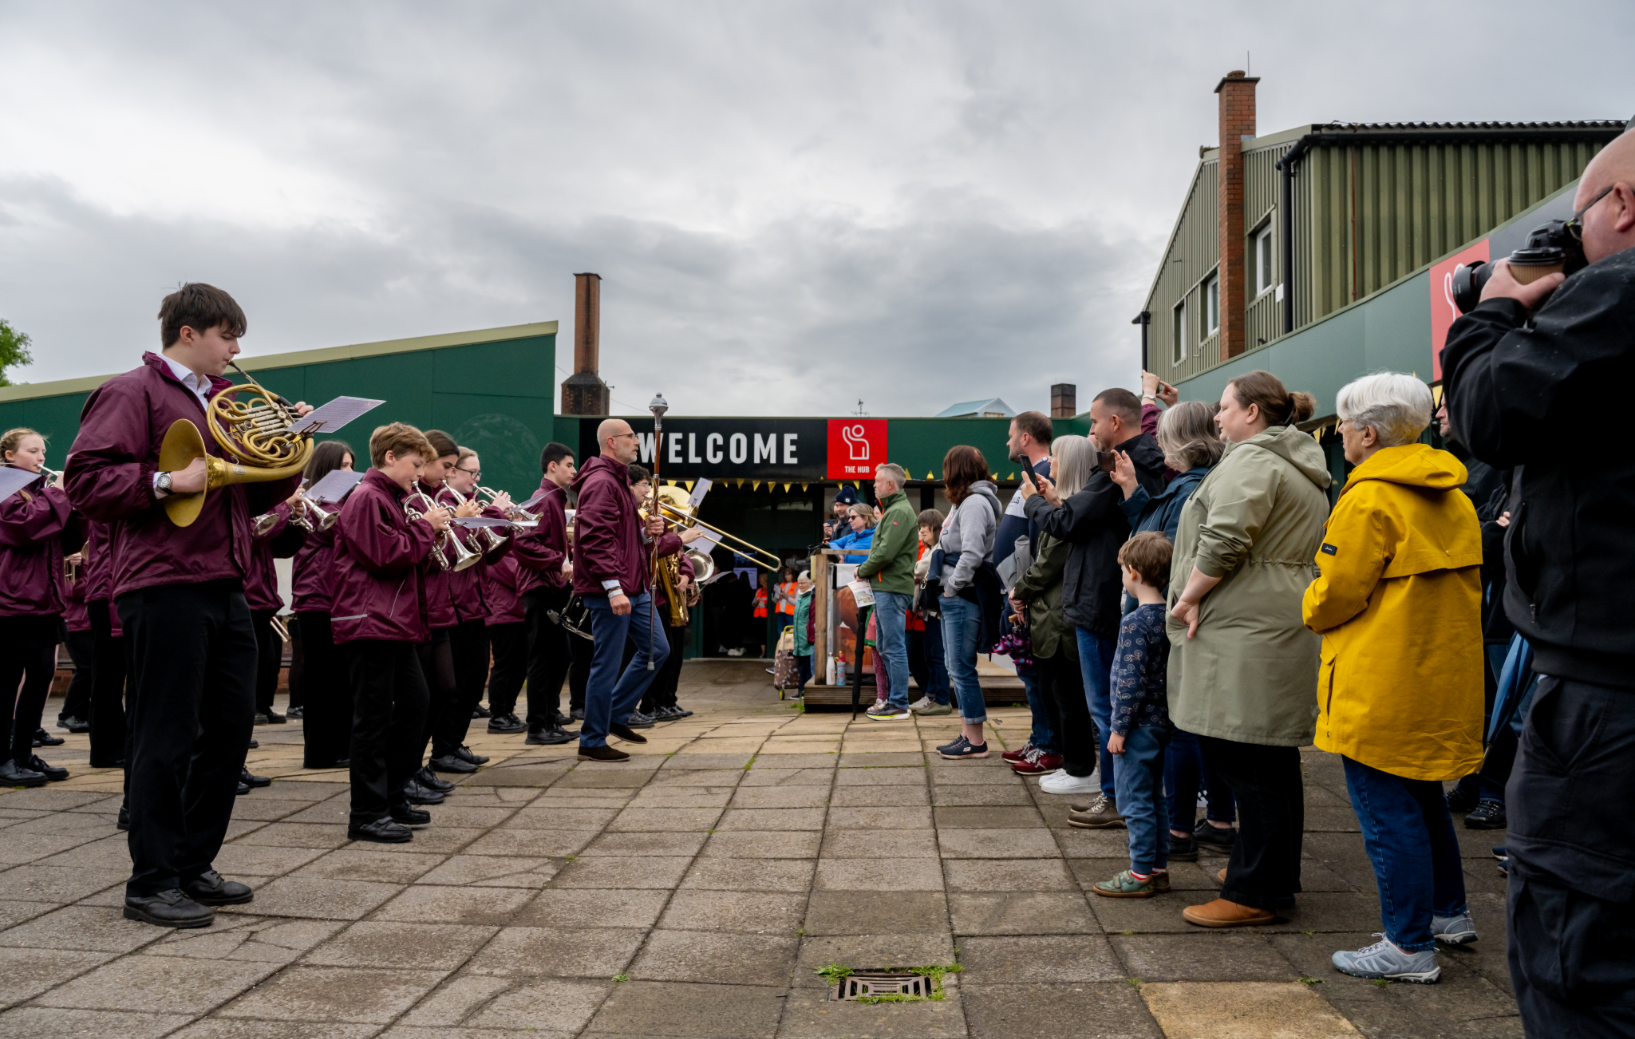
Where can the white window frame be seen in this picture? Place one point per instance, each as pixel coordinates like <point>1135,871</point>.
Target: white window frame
<point>1265,260</point>
<point>1211,297</point>
<point>1178,328</point>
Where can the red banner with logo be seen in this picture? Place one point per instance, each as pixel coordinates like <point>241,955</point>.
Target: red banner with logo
<point>856,446</point>
<point>1443,312</point>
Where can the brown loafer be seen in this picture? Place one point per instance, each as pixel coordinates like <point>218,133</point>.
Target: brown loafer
<point>602,754</point>
<point>1221,913</point>
<point>626,733</point>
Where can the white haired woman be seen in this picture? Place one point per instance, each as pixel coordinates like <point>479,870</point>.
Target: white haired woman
<point>1399,696</point>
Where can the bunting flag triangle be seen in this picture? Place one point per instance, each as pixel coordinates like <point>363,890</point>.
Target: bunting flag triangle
<point>689,485</point>
<point>930,476</point>
<point>1012,476</point>
<point>786,488</point>
<point>755,486</point>
<point>803,487</point>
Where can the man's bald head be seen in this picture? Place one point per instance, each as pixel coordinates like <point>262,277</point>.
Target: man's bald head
<point>1609,225</point>
<point>616,441</point>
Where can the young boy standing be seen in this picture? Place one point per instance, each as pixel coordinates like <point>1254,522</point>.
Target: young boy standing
<point>1140,724</point>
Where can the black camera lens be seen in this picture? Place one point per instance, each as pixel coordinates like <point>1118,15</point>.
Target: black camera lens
<point>1468,282</point>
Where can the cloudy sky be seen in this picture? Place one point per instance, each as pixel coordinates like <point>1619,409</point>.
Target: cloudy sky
<point>792,205</point>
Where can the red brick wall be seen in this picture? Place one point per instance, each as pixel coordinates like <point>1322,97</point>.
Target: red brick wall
<point>1237,119</point>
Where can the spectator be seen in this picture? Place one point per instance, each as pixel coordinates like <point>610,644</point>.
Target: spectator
<point>804,631</point>
<point>784,594</point>
<point>758,614</point>
<point>967,545</point>
<point>1241,662</point>
<point>1038,597</point>
<point>837,525</point>
<point>926,659</point>
<point>1399,606</point>
<point>862,518</point>
<point>1093,524</point>
<point>1141,727</point>
<point>890,573</point>
<point>1029,442</point>
<point>1524,367</point>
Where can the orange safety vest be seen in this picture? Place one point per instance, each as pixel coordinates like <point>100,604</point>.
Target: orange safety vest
<point>789,590</point>
<point>760,602</point>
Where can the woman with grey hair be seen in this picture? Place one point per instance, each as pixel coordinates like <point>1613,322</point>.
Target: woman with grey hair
<point>1399,695</point>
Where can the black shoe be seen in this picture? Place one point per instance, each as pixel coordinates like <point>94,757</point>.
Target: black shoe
<point>255,744</point>
<point>45,739</point>
<point>638,720</point>
<point>624,732</point>
<point>404,815</point>
<point>168,909</point>
<point>548,737</point>
<point>1213,837</point>
<point>452,763</point>
<point>506,724</point>
<point>381,831</point>
<point>1465,795</point>
<point>602,754</point>
<point>432,781</point>
<point>124,822</point>
<point>248,778</point>
<point>212,889</point>
<point>343,762</point>
<point>575,715</point>
<point>481,712</point>
<point>296,712</point>
<point>243,788</point>
<point>13,774</point>
<point>50,772</point>
<point>678,712</point>
<point>1488,815</point>
<point>564,720</point>
<point>269,718</point>
<point>465,753</point>
<point>1182,849</point>
<point>421,795</point>
<point>73,724</point>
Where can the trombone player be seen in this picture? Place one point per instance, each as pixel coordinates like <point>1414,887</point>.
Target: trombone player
<point>179,591</point>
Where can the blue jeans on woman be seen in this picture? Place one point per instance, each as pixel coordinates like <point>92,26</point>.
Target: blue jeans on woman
<point>961,627</point>
<point>1141,798</point>
<point>1096,661</point>
<point>1408,834</point>
<point>1184,772</point>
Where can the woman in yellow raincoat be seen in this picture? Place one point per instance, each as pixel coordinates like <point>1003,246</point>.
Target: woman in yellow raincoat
<point>1399,694</point>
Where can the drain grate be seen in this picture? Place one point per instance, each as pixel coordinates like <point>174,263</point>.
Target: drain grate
<point>874,983</point>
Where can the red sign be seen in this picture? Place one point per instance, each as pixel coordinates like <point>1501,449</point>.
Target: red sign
<point>1443,312</point>
<point>856,446</point>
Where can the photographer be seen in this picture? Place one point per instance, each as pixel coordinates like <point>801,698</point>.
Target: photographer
<point>1525,365</point>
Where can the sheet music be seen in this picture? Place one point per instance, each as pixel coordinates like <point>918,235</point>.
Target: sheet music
<point>539,496</point>
<point>13,479</point>
<point>334,487</point>
<point>332,416</point>
<point>701,488</point>
<point>482,521</point>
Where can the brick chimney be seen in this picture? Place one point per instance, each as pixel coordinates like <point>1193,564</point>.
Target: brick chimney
<point>584,392</point>
<point>1237,117</point>
<point>1064,400</point>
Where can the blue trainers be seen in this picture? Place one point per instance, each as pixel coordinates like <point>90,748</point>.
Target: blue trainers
<point>959,741</point>
<point>1454,930</point>
<point>964,748</point>
<point>1384,960</point>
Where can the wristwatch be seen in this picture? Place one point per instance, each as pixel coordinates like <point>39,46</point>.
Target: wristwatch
<point>161,485</point>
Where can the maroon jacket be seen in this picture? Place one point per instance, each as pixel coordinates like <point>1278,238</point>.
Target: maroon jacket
<point>454,597</point>
<point>261,583</point>
<point>541,550</point>
<point>110,479</point>
<point>378,556</point>
<point>312,574</point>
<point>76,617</point>
<point>607,532</point>
<point>34,524</point>
<point>499,580</point>
<point>97,572</point>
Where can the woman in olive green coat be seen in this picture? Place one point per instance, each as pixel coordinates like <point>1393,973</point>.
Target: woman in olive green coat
<point>1242,666</point>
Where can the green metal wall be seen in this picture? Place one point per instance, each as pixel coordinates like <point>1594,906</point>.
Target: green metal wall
<point>1194,251</point>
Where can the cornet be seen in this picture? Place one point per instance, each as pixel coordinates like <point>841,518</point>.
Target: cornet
<point>486,496</point>
<point>449,551</point>
<point>490,538</point>
<point>264,523</point>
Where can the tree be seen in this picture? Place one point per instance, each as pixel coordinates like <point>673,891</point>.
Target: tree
<point>13,350</point>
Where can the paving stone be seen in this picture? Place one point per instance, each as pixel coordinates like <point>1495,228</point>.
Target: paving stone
<point>47,799</point>
<point>665,819</point>
<point>881,777</point>
<point>1068,1011</point>
<point>655,796</point>
<point>296,835</point>
<point>453,1002</point>
<point>1030,960</point>
<point>879,818</point>
<point>816,1017</point>
<point>713,778</point>
<point>318,899</point>
<point>871,844</point>
<point>517,775</point>
<point>265,811</point>
<point>772,758</point>
<point>983,795</point>
<point>810,796</point>
<point>764,844</point>
<point>750,875</point>
<point>248,938</point>
<point>974,774</point>
<point>776,776</point>
<point>1027,912</point>
<point>880,797</point>
<point>877,912</point>
<point>1244,1010</point>
<point>860,951</point>
<point>705,760</point>
<point>530,843</point>
<point>55,1023</point>
<point>746,912</point>
<point>632,776</point>
<point>31,847</point>
<point>14,913</point>
<point>644,843</point>
<point>460,814</point>
<point>1204,955</point>
<point>32,883</point>
<point>1004,843</point>
<point>1008,875</point>
<point>1184,876</point>
<point>562,952</point>
<point>445,839</point>
<point>1113,843</point>
<point>261,861</point>
<point>158,984</point>
<point>245,1028</point>
<point>111,853</point>
<point>552,1005</point>
<point>26,972</point>
<point>409,946</point>
<point>880,874</point>
<point>359,862</point>
<point>494,871</point>
<point>560,816</point>
<point>429,903</point>
<point>689,1011</point>
<point>699,956</point>
<point>87,928</point>
<point>854,758</point>
<point>772,819</point>
<point>575,908</point>
<point>653,871</point>
<point>987,818</point>
<point>357,995</point>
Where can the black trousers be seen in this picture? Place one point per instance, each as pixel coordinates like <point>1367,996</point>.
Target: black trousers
<point>584,651</point>
<point>1571,899</point>
<point>549,658</point>
<point>193,657</point>
<point>298,663</point>
<point>468,653</point>
<point>662,692</point>
<point>510,645</point>
<point>388,714</point>
<point>1062,683</point>
<point>1264,870</point>
<point>28,658</point>
<point>326,715</point>
<point>108,713</point>
<point>269,658</point>
<point>437,670</point>
<point>82,650</point>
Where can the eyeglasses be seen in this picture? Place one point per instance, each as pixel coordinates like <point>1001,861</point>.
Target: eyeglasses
<point>473,472</point>
<point>616,436</point>
<point>1575,226</point>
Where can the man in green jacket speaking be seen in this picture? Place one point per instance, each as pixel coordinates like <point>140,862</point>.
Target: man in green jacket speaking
<point>890,573</point>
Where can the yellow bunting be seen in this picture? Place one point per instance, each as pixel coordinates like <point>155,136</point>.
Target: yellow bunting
<point>689,485</point>
<point>755,486</point>
<point>786,488</point>
<point>803,487</point>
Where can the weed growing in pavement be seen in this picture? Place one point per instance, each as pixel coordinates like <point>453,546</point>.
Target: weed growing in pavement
<point>1133,982</point>
<point>1311,981</point>
<point>834,972</point>
<point>1382,982</point>
<point>621,977</point>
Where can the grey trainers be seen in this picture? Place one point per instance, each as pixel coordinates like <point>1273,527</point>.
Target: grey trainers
<point>1384,960</point>
<point>883,711</point>
<point>1097,815</point>
<point>926,708</point>
<point>1454,930</point>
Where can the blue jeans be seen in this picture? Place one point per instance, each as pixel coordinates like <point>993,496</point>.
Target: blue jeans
<point>891,643</point>
<point>1184,772</point>
<point>1044,734</point>
<point>609,695</point>
<point>1096,661</point>
<point>961,627</point>
<point>1408,833</point>
<point>928,662</point>
<point>1141,798</point>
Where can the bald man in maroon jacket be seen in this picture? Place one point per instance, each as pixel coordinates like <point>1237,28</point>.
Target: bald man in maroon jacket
<point>180,596</point>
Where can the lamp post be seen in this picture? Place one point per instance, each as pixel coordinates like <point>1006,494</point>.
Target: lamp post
<point>658,406</point>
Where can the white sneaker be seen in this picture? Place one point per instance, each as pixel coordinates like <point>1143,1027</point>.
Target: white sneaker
<point>919,705</point>
<point>1062,783</point>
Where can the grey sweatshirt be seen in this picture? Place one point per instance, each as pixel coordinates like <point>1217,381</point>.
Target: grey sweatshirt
<point>969,530</point>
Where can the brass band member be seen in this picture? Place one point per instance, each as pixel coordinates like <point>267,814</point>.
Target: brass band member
<point>659,702</point>
<point>180,595</point>
<point>543,576</point>
<point>326,694</point>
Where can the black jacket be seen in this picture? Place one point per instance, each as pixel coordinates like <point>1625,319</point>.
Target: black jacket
<point>1094,525</point>
<point>1516,383</point>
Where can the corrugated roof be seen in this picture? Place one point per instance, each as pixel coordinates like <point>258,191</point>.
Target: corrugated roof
<point>1567,124</point>
<point>992,405</point>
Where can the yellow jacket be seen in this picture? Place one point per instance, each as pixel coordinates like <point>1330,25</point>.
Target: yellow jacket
<point>1398,604</point>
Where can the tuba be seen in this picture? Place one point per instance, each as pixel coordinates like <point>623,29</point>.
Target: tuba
<point>253,431</point>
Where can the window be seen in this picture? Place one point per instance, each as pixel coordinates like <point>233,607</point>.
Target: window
<point>1212,305</point>
<point>1262,275</point>
<point>1178,352</point>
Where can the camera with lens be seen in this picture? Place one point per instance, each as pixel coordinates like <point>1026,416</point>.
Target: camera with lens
<point>1549,249</point>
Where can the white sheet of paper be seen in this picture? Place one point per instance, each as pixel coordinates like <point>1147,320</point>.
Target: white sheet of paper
<point>332,416</point>
<point>862,592</point>
<point>13,480</point>
<point>845,573</point>
<point>334,487</point>
<point>701,488</point>
<point>539,496</point>
<point>481,521</point>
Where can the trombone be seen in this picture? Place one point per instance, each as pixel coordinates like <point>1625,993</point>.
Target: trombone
<point>684,515</point>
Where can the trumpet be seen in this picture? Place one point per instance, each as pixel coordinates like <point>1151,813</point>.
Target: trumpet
<point>301,519</point>
<point>490,538</point>
<point>486,496</point>
<point>51,475</point>
<point>449,551</point>
<point>263,524</point>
